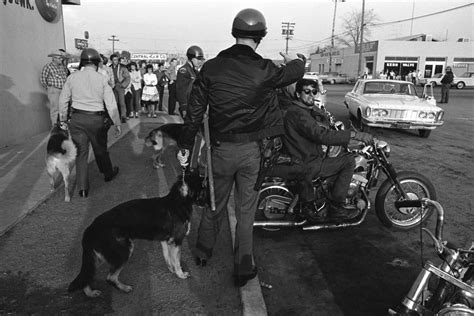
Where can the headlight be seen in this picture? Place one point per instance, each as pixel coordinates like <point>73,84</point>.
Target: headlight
<point>422,115</point>
<point>431,115</point>
<point>368,111</point>
<point>379,112</point>
<point>440,115</point>
<point>383,113</point>
<point>384,146</point>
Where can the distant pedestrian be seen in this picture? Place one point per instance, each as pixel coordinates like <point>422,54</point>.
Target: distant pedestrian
<point>93,106</point>
<point>136,79</point>
<point>172,74</point>
<point>150,92</point>
<point>162,82</point>
<point>391,75</point>
<point>105,70</point>
<point>121,81</point>
<point>142,72</point>
<point>446,82</point>
<point>52,78</point>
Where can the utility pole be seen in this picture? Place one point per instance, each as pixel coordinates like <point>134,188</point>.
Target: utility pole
<point>332,34</point>
<point>361,37</point>
<point>287,30</point>
<point>412,14</point>
<point>113,39</point>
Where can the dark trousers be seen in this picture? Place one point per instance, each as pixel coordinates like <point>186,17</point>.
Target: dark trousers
<point>341,167</point>
<point>445,92</point>
<point>172,98</point>
<point>137,96</point>
<point>161,90</point>
<point>129,103</point>
<point>89,129</point>
<point>120,98</point>
<point>235,165</point>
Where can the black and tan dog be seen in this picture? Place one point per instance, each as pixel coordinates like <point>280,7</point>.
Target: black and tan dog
<point>161,138</point>
<point>167,219</point>
<point>60,156</point>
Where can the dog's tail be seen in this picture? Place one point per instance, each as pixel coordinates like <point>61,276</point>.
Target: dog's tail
<point>70,150</point>
<point>86,275</point>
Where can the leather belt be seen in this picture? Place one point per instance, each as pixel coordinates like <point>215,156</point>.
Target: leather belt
<point>88,112</point>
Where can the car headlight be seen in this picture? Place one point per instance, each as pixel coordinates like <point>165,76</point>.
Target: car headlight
<point>368,111</point>
<point>379,112</point>
<point>383,113</point>
<point>440,115</point>
<point>431,115</point>
<point>422,115</point>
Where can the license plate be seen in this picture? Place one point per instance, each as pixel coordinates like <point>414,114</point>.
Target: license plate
<point>402,125</point>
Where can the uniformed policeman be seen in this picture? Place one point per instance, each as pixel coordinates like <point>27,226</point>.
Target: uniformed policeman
<point>238,88</point>
<point>89,91</point>
<point>186,76</point>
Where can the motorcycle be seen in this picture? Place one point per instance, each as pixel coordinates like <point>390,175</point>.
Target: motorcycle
<point>447,289</point>
<point>278,201</point>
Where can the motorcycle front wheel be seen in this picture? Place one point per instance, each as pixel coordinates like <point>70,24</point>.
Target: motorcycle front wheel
<point>415,186</point>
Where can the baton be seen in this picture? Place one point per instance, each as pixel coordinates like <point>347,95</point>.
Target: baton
<point>207,140</point>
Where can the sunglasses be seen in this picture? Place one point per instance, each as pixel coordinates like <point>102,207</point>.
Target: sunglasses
<point>308,91</point>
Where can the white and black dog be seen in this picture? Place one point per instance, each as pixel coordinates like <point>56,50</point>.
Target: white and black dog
<point>167,219</point>
<point>161,138</point>
<point>60,156</point>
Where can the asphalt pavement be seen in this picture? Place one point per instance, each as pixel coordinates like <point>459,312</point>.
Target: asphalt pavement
<point>40,239</point>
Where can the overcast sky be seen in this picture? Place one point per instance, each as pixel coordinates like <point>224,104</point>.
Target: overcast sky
<point>171,26</point>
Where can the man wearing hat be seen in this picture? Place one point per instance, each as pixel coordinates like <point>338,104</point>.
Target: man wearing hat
<point>53,78</point>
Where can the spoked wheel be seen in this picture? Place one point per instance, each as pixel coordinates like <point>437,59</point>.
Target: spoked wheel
<point>415,186</point>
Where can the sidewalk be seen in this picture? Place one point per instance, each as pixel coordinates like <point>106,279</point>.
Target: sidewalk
<point>24,185</point>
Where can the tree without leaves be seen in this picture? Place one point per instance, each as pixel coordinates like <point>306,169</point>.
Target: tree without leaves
<point>351,26</point>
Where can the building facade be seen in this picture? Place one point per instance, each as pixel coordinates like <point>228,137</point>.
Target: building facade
<point>29,31</point>
<point>400,56</point>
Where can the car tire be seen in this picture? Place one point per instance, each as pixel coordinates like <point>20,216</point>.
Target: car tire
<point>424,133</point>
<point>460,85</point>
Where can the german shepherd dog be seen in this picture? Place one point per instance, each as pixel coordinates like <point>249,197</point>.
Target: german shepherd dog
<point>60,156</point>
<point>161,138</point>
<point>167,219</point>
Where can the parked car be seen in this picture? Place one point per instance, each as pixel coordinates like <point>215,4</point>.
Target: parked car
<point>464,80</point>
<point>435,80</point>
<point>393,104</point>
<point>334,77</point>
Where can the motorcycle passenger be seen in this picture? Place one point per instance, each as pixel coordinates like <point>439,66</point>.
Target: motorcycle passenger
<point>306,129</point>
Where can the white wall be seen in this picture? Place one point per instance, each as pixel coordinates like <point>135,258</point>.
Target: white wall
<point>26,39</point>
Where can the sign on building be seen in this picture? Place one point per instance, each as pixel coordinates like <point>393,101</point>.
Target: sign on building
<point>81,43</point>
<point>367,47</point>
<point>149,56</point>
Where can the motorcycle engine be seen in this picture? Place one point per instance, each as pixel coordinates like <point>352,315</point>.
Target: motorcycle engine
<point>358,180</point>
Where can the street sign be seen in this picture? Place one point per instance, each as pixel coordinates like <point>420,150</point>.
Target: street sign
<point>81,43</point>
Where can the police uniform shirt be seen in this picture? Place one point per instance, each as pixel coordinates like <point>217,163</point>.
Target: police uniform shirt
<point>88,90</point>
<point>184,82</point>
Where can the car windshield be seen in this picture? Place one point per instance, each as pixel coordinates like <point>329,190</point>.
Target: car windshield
<point>380,87</point>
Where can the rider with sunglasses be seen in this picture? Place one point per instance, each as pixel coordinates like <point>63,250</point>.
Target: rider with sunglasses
<point>306,129</point>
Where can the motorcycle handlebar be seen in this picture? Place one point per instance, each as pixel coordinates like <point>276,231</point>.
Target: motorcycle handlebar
<point>425,202</point>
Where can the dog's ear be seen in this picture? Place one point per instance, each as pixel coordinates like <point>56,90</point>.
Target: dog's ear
<point>150,139</point>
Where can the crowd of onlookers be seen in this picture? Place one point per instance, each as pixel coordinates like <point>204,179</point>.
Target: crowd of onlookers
<point>139,88</point>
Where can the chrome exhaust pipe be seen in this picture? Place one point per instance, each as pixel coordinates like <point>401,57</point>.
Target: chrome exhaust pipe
<point>278,223</point>
<point>344,224</point>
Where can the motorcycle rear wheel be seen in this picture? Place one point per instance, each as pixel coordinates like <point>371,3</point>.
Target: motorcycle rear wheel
<point>416,186</point>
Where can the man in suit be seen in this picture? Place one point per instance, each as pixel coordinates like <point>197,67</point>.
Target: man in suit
<point>121,78</point>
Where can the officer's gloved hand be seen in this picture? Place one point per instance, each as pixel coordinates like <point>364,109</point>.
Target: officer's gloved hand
<point>287,57</point>
<point>183,155</point>
<point>366,138</point>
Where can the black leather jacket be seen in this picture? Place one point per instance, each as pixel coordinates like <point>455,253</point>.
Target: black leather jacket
<point>306,130</point>
<point>239,87</point>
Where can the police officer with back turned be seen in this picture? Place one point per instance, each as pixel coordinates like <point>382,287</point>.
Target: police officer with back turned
<point>239,88</point>
<point>89,91</point>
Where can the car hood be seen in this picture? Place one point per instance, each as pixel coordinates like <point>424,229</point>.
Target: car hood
<point>398,102</point>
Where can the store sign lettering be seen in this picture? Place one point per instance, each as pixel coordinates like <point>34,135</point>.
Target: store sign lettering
<point>408,65</point>
<point>149,56</point>
<point>22,3</point>
<point>392,64</point>
<point>457,65</point>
